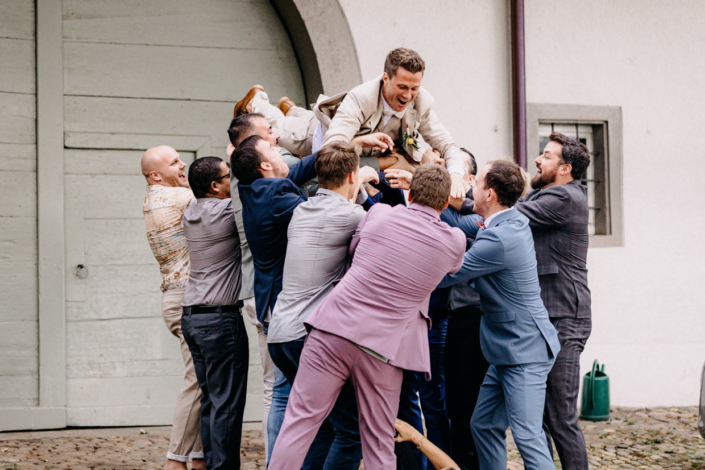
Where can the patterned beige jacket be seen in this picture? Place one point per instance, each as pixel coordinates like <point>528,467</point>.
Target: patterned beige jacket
<point>163,209</point>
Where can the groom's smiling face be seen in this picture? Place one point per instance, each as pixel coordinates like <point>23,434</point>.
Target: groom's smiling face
<point>401,89</point>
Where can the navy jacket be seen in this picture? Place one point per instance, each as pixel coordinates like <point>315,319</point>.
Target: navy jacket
<point>267,207</point>
<point>515,327</point>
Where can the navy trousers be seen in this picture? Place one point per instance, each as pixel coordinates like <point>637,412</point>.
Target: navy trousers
<point>337,443</point>
<point>431,398</point>
<point>465,369</point>
<point>220,351</point>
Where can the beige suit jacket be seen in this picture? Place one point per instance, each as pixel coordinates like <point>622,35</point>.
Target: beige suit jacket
<point>360,112</point>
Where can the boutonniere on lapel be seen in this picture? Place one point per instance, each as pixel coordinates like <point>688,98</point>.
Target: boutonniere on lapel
<point>410,140</point>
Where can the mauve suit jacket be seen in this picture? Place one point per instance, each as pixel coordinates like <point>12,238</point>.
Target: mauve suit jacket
<point>400,256</point>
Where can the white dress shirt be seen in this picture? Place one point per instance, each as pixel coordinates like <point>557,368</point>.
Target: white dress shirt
<point>489,219</point>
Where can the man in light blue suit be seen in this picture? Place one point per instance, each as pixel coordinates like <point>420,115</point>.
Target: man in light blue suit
<point>516,335</point>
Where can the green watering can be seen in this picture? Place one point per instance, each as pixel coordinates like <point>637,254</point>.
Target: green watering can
<point>596,394</point>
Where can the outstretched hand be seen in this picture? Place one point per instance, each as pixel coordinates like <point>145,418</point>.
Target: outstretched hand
<point>398,178</point>
<point>367,174</point>
<point>406,432</point>
<point>457,188</point>
<point>378,140</point>
<point>457,203</point>
<point>433,156</point>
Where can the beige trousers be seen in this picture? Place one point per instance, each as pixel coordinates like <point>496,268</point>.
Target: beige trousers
<point>295,130</point>
<point>267,366</point>
<point>186,431</point>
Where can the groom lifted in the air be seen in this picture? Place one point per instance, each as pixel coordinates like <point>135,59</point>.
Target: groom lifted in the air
<point>390,107</point>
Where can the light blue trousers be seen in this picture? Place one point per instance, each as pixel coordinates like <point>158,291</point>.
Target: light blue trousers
<point>512,396</point>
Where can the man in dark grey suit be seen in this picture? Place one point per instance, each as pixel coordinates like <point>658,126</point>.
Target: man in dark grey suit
<point>558,216</point>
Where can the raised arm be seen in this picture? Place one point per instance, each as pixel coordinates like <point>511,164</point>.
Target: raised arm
<point>439,459</point>
<point>466,223</point>
<point>438,137</point>
<point>485,256</point>
<point>286,201</point>
<point>550,210</point>
<point>303,171</point>
<point>346,122</point>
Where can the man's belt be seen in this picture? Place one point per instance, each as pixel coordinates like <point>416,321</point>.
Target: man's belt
<point>194,309</point>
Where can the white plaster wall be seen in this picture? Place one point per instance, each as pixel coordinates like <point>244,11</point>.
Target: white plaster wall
<point>643,56</point>
<point>648,324</point>
<point>465,47</point>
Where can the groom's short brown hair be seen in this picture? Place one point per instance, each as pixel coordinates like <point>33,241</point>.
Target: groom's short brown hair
<point>404,58</point>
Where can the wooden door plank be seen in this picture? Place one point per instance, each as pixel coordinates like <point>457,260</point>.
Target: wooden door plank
<point>206,23</point>
<point>17,19</point>
<point>141,116</point>
<point>17,74</point>
<point>111,299</point>
<point>18,269</point>
<point>19,372</point>
<point>138,71</point>
<point>17,118</point>
<point>18,193</point>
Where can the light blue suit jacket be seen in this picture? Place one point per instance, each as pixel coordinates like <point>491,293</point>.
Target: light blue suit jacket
<point>515,327</point>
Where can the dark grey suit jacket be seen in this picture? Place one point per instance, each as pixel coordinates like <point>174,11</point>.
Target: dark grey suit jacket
<point>558,217</point>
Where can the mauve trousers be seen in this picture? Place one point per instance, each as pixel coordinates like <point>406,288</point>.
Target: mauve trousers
<point>326,363</point>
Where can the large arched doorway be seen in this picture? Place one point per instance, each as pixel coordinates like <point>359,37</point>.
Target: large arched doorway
<point>113,78</point>
<point>138,74</point>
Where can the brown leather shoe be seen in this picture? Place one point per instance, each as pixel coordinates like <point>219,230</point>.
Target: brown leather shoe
<point>285,104</point>
<point>241,106</point>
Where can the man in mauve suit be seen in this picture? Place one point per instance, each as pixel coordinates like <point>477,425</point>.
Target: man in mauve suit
<point>516,336</point>
<point>374,323</point>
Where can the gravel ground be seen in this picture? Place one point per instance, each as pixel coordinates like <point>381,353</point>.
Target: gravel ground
<point>634,438</point>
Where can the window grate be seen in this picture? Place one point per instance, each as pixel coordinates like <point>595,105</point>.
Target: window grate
<point>592,135</point>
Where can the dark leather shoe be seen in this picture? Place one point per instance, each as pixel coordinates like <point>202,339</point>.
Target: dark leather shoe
<point>285,104</point>
<point>241,106</point>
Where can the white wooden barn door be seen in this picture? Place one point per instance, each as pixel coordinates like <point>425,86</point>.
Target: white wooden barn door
<point>140,73</point>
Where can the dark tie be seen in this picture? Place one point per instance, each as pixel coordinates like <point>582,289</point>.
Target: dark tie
<point>481,224</point>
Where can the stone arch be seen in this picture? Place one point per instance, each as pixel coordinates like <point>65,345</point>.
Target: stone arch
<point>323,44</point>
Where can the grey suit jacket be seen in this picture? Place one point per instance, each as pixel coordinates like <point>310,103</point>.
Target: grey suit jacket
<point>558,217</point>
<point>319,236</point>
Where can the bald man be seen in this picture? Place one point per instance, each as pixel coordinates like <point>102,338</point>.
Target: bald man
<point>168,196</point>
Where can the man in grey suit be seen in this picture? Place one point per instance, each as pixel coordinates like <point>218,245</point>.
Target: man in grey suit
<point>558,216</point>
<point>516,335</point>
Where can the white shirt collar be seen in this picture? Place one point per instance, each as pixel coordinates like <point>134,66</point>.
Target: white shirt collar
<point>489,219</point>
<point>388,112</point>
